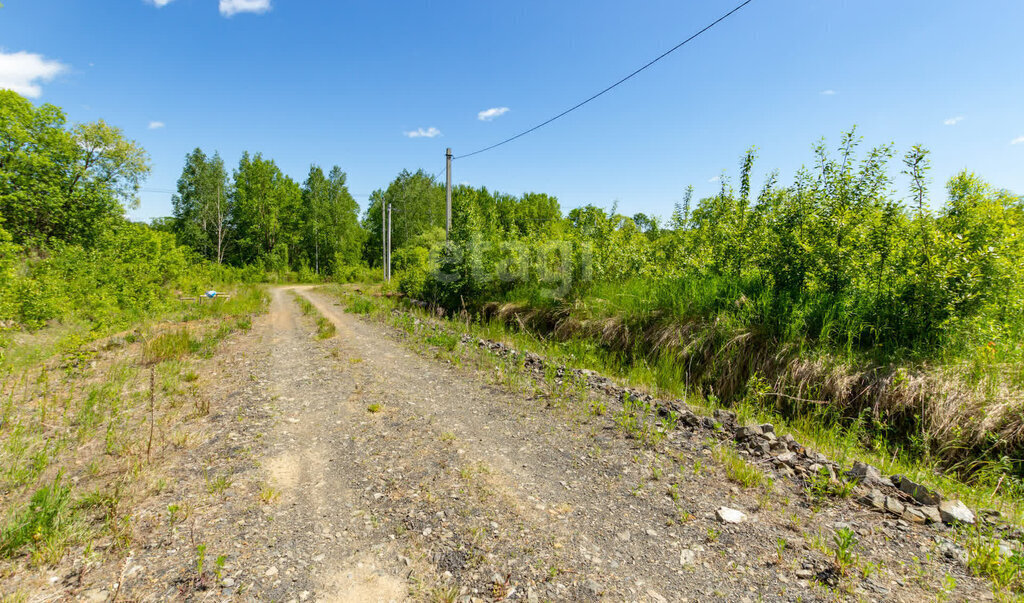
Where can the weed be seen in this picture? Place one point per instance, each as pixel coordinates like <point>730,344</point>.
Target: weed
<point>598,408</point>
<point>845,540</point>
<point>637,419</point>
<point>444,594</point>
<point>200,559</point>
<point>869,569</point>
<point>986,559</point>
<point>170,346</point>
<point>218,566</point>
<point>172,514</point>
<point>673,492</point>
<point>780,547</point>
<point>822,485</point>
<point>443,340</point>
<point>216,485</point>
<point>947,587</point>
<point>358,304</point>
<point>325,329</point>
<point>374,408</point>
<point>269,494</point>
<point>45,525</point>
<point>738,470</point>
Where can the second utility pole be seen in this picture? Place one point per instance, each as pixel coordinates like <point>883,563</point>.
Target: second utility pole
<point>389,242</point>
<point>448,193</point>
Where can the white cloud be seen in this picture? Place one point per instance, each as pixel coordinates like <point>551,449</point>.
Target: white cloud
<point>156,125</point>
<point>421,133</point>
<point>828,92</point>
<point>491,113</point>
<point>159,3</point>
<point>1018,140</point>
<point>952,121</point>
<point>230,8</point>
<point>715,179</point>
<point>23,72</point>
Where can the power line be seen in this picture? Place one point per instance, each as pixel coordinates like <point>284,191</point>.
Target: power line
<point>609,88</point>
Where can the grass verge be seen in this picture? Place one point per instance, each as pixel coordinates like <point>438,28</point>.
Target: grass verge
<point>325,329</point>
<point>84,433</point>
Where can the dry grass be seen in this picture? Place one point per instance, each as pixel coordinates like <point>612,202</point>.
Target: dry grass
<point>943,413</point>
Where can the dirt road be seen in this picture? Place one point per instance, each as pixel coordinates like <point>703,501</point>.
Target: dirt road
<point>357,469</point>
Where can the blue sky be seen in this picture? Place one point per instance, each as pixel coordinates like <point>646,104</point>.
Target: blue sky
<point>345,82</point>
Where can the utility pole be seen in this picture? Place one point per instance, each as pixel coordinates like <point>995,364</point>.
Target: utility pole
<point>389,242</point>
<point>448,193</point>
<point>383,239</point>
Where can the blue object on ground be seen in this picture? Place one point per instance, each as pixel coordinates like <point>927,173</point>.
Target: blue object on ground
<point>211,294</point>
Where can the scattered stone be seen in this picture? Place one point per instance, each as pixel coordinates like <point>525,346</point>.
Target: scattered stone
<point>227,582</point>
<point>893,506</point>
<point>749,431</point>
<point>954,511</point>
<point>874,499</point>
<point>787,457</point>
<point>593,588</point>
<point>919,493</point>
<point>951,551</point>
<point>868,475</point>
<point>687,557</point>
<point>1005,549</point>
<point>804,574</point>
<point>623,536</point>
<point>931,514</point>
<point>767,428</point>
<point>95,595</point>
<point>727,515</point>
<point>725,417</point>
<point>271,572</point>
<point>914,515</point>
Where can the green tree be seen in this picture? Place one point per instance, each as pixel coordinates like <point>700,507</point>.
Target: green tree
<point>331,234</point>
<point>265,213</point>
<point>417,205</point>
<point>202,206</point>
<point>60,183</point>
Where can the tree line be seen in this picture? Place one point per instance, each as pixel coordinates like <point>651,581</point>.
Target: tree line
<point>259,216</point>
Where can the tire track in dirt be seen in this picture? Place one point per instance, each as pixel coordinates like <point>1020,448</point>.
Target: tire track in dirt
<point>490,493</point>
<point>560,518</point>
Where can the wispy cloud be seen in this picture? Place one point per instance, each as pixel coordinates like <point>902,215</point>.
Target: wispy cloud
<point>952,121</point>
<point>491,113</point>
<point>421,133</point>
<point>230,8</point>
<point>829,92</point>
<point>23,72</point>
<point>156,125</point>
<point>1018,140</point>
<point>159,3</point>
<point>714,179</point>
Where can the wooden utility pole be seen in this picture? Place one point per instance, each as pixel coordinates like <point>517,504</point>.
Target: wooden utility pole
<point>448,193</point>
<point>389,242</point>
